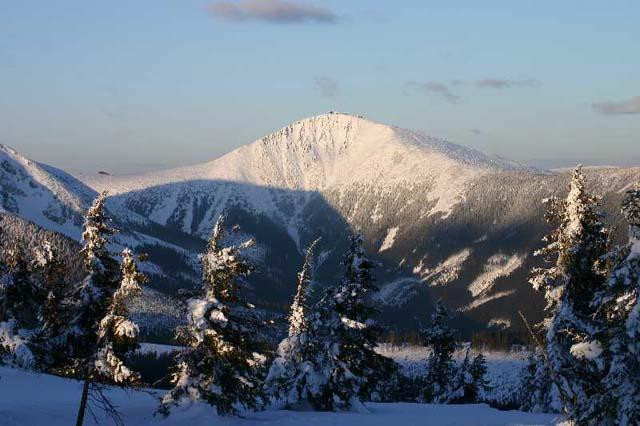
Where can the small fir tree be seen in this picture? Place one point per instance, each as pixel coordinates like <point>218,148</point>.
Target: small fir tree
<point>477,383</point>
<point>470,381</point>
<point>441,367</point>
<point>117,335</point>
<point>293,374</point>
<point>536,385</point>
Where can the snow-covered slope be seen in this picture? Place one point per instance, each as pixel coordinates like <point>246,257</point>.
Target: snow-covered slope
<point>31,399</point>
<point>42,194</point>
<point>321,152</point>
<point>444,221</point>
<point>327,153</point>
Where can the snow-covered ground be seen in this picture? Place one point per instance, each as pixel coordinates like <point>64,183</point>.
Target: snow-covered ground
<point>37,399</point>
<point>158,349</point>
<point>503,368</point>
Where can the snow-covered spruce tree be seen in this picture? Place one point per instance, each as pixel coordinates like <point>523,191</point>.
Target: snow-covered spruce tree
<point>48,342</point>
<point>19,292</point>
<point>341,366</point>
<point>17,306</point>
<point>461,380</point>
<point>572,325</point>
<point>92,298</point>
<point>441,367</point>
<point>470,380</point>
<point>222,362</point>
<point>536,388</point>
<point>292,374</point>
<point>620,300</point>
<point>299,308</point>
<point>117,335</point>
<point>91,303</point>
<point>478,384</point>
<point>358,332</point>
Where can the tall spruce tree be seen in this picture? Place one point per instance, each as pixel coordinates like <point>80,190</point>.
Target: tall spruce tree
<point>92,298</point>
<point>620,300</point>
<point>97,336</point>
<point>293,374</point>
<point>441,367</point>
<point>341,367</point>
<point>222,361</point>
<point>572,325</point>
<point>298,322</point>
<point>366,373</point>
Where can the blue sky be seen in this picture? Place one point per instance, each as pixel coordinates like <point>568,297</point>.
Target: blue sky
<point>136,85</point>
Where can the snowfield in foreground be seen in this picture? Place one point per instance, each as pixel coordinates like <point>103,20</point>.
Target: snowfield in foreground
<point>37,399</point>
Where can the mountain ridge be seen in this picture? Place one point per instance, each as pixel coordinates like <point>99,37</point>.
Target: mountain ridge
<point>319,140</point>
<point>444,221</point>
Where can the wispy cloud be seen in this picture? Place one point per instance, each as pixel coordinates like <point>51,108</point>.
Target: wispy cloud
<point>630,106</point>
<point>273,11</point>
<point>327,86</point>
<point>501,83</point>
<point>435,88</point>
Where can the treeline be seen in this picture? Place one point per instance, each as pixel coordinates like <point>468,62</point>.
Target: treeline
<point>495,340</point>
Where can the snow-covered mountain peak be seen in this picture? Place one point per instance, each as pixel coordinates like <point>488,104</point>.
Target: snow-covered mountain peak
<point>332,153</point>
<point>339,132</point>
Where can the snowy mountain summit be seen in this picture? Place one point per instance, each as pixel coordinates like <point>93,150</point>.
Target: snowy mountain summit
<point>329,153</point>
<point>322,151</point>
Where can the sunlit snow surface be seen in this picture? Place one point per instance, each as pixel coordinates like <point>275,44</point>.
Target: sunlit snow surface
<point>329,153</point>
<point>32,399</point>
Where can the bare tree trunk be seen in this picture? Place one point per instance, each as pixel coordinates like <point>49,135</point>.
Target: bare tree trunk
<point>83,400</point>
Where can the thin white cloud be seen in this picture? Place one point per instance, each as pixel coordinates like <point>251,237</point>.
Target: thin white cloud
<point>501,83</point>
<point>629,106</point>
<point>273,11</point>
<point>434,87</point>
